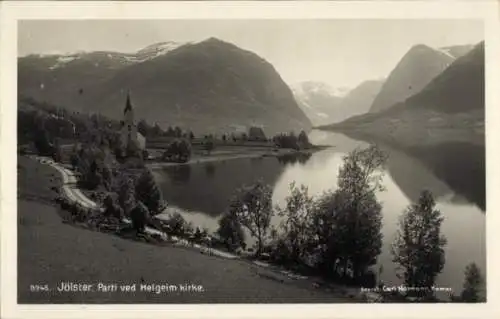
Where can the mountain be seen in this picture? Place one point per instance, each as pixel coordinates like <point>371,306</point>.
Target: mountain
<point>319,101</point>
<point>209,86</point>
<point>324,104</point>
<point>460,88</point>
<point>413,72</point>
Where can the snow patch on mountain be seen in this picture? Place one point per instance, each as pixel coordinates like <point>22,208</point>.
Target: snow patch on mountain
<point>310,87</point>
<point>156,50</point>
<point>62,60</point>
<point>148,53</point>
<point>446,52</point>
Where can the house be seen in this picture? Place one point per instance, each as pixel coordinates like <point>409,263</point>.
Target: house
<point>256,133</point>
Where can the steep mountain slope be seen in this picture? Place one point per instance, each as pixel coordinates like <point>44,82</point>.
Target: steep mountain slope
<point>458,50</point>
<point>359,99</point>
<point>460,88</point>
<point>324,105</point>
<point>210,86</point>
<point>413,72</point>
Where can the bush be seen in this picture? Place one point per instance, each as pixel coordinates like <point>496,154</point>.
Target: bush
<point>281,252</point>
<point>177,224</point>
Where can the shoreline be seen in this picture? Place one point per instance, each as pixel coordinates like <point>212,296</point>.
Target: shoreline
<point>220,157</point>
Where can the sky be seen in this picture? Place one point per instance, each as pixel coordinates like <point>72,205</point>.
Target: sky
<point>341,53</point>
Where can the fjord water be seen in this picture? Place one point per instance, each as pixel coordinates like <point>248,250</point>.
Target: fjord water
<point>202,192</point>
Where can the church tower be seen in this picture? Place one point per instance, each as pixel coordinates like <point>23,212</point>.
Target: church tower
<point>129,127</point>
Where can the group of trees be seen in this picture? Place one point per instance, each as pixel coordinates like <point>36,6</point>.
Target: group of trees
<point>178,151</point>
<point>148,130</point>
<point>292,141</point>
<point>95,164</point>
<point>139,198</point>
<point>339,232</point>
<point>340,229</point>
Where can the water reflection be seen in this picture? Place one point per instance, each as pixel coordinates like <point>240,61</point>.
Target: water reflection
<point>458,166</point>
<point>301,158</point>
<point>210,169</point>
<point>179,174</point>
<point>208,187</point>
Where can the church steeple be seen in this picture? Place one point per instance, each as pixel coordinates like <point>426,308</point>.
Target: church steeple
<point>128,105</point>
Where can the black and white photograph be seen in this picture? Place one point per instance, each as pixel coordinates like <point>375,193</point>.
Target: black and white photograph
<point>251,161</point>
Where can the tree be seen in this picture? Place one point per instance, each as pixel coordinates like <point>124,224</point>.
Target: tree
<point>132,149</point>
<point>126,195</point>
<point>42,143</point>
<point>57,156</point>
<point>303,139</point>
<point>74,160</point>
<point>296,224</point>
<point>170,132</point>
<point>184,151</point>
<point>140,217</point>
<point>231,232</point>
<point>107,175</point>
<point>143,128</point>
<point>418,248</point>
<point>178,132</point>
<point>111,209</point>
<point>91,178</point>
<point>347,223</point>
<point>209,145</point>
<point>191,136</point>
<point>157,131</point>
<point>148,192</point>
<point>252,205</point>
<point>473,288</point>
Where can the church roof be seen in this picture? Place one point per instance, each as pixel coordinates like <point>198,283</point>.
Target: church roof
<point>128,105</point>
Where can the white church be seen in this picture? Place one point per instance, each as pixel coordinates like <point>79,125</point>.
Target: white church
<point>129,128</point>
